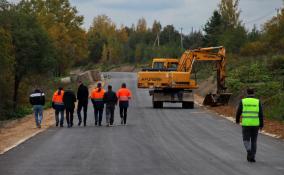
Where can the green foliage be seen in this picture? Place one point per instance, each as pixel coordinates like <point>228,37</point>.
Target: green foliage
<point>254,48</point>
<point>38,39</point>
<point>273,33</point>
<point>17,113</point>
<point>249,75</point>
<point>213,29</point>
<point>276,63</point>
<point>194,40</point>
<point>63,25</point>
<point>273,108</point>
<point>233,39</point>
<point>230,13</point>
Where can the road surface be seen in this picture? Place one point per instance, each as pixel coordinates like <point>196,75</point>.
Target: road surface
<point>155,142</point>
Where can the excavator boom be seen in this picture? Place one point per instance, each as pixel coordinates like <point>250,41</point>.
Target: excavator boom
<point>165,80</point>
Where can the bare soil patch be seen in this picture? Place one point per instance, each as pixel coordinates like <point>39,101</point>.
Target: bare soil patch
<point>13,132</point>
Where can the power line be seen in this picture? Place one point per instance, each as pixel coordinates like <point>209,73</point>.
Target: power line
<point>261,17</point>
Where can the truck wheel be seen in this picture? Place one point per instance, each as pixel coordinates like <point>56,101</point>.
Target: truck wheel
<point>187,105</point>
<point>157,104</point>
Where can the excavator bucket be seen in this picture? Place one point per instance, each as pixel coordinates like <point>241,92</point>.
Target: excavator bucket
<point>217,99</point>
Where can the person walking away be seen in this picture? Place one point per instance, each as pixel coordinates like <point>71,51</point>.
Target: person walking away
<point>97,98</point>
<point>110,99</point>
<point>83,98</point>
<point>37,99</point>
<point>58,106</point>
<point>69,100</point>
<point>123,95</point>
<point>251,115</point>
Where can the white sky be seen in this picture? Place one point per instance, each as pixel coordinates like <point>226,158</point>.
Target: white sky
<point>181,13</point>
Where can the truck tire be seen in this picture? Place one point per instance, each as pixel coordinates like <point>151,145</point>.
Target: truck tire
<point>187,105</point>
<point>157,104</point>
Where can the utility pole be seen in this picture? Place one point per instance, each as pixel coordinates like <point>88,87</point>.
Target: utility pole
<point>157,40</point>
<point>181,39</point>
<point>158,35</point>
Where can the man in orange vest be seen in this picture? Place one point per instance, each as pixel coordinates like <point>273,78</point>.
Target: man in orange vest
<point>123,95</point>
<point>58,105</point>
<point>97,98</point>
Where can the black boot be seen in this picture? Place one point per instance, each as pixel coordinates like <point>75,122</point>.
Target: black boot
<point>79,124</point>
<point>249,157</point>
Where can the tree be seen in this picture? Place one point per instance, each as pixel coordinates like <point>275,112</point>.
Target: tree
<point>274,33</point>
<point>234,35</point>
<point>6,66</point>
<point>156,27</point>
<point>194,40</point>
<point>32,48</point>
<point>63,25</point>
<point>254,35</point>
<point>4,5</point>
<point>99,34</point>
<point>169,35</point>
<point>230,13</point>
<point>141,25</point>
<point>213,29</point>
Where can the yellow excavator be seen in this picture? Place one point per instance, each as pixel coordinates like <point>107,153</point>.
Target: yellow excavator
<point>169,79</point>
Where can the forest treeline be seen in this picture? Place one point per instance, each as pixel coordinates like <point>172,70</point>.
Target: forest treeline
<point>44,39</point>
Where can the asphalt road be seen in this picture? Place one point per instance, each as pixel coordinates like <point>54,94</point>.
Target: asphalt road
<point>155,141</point>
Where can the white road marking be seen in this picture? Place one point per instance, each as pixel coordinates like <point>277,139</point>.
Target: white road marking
<point>22,141</point>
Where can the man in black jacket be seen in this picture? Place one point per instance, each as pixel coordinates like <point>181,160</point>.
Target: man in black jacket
<point>69,100</point>
<point>251,115</point>
<point>110,99</point>
<point>37,99</point>
<point>83,97</point>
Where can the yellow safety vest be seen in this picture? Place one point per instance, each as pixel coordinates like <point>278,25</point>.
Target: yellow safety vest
<point>250,113</point>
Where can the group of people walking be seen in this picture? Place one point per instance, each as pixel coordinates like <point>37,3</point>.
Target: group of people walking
<point>65,101</point>
<point>249,112</point>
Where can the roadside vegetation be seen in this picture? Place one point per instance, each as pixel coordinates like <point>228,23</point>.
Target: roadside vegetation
<point>41,40</point>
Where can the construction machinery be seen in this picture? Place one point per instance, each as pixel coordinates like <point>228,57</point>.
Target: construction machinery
<point>169,80</point>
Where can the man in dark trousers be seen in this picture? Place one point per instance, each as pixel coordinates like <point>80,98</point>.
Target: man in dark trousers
<point>123,95</point>
<point>82,97</point>
<point>110,99</point>
<point>37,99</point>
<point>251,115</point>
<point>69,100</point>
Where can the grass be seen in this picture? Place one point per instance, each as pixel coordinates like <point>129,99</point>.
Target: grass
<point>273,107</point>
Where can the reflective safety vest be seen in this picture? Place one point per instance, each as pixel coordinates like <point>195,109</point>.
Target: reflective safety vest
<point>58,99</point>
<point>123,94</point>
<point>98,96</point>
<point>250,113</point>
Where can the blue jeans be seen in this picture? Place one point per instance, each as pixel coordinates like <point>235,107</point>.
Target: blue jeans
<point>61,112</point>
<point>38,113</point>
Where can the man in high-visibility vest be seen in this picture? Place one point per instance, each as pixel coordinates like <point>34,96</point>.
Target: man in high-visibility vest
<point>251,115</point>
<point>123,95</point>
<point>97,98</point>
<point>58,106</point>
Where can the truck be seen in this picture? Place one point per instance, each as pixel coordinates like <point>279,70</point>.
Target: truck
<point>169,79</point>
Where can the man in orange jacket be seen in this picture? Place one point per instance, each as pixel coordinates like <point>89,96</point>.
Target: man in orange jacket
<point>97,98</point>
<point>123,95</point>
<point>58,105</point>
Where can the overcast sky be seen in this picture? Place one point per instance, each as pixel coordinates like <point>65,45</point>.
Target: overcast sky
<point>180,13</point>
